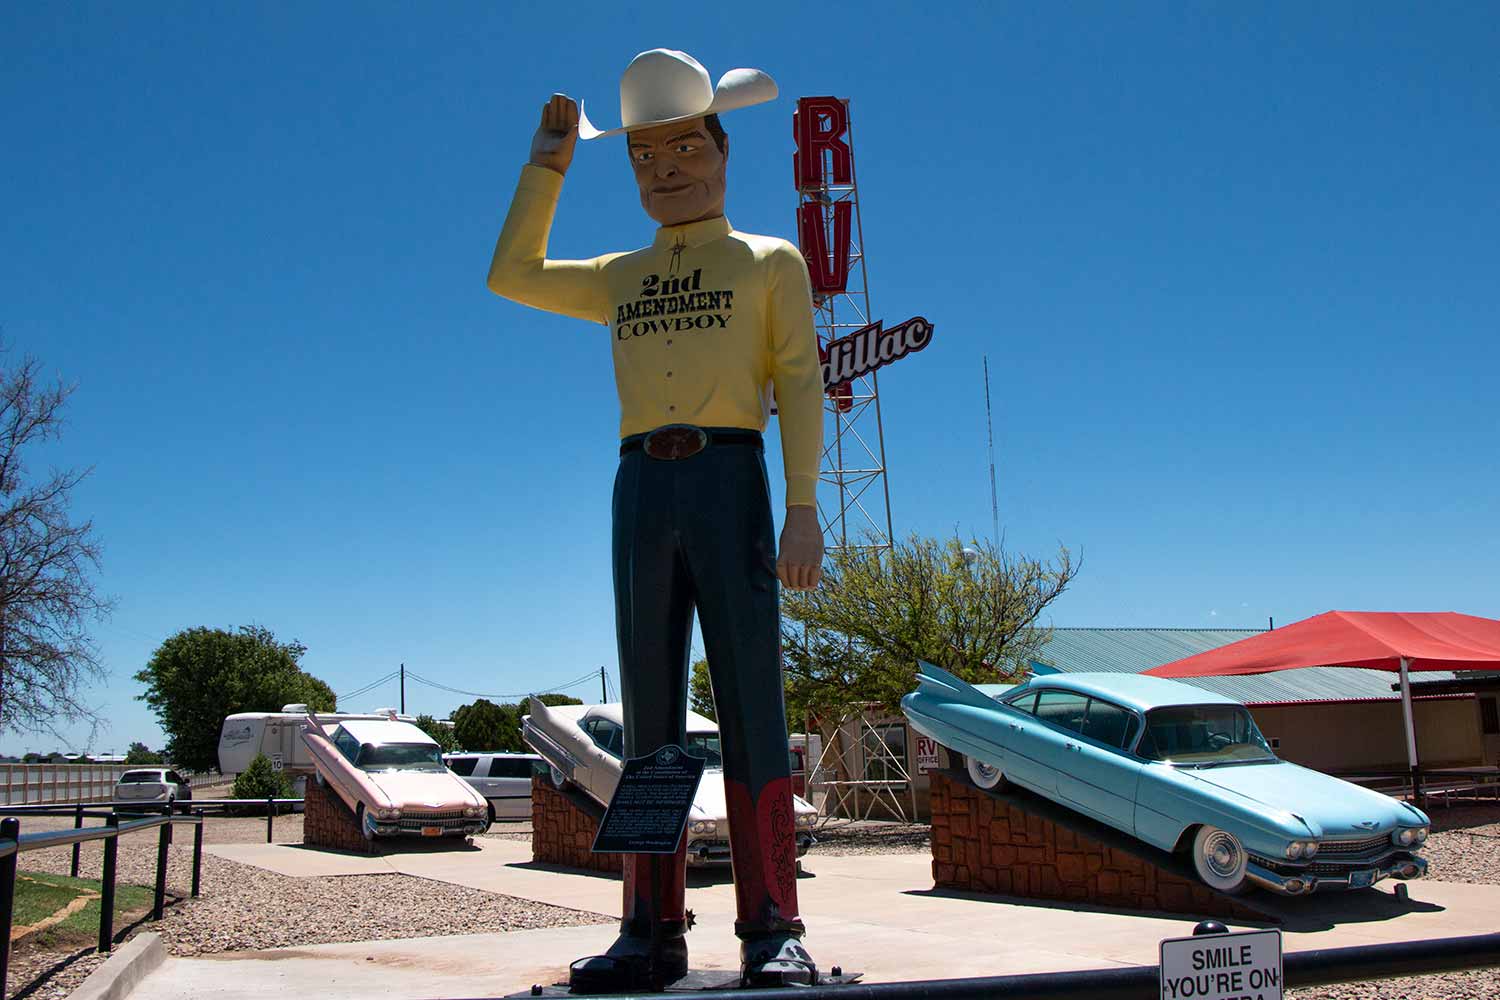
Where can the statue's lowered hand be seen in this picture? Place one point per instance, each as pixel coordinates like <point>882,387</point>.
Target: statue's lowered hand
<point>799,564</point>
<point>552,146</point>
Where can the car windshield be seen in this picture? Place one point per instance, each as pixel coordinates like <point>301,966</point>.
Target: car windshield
<point>705,745</point>
<point>400,757</point>
<point>133,777</point>
<point>1204,735</point>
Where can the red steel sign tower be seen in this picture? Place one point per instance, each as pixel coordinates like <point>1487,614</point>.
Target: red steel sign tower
<point>831,238</point>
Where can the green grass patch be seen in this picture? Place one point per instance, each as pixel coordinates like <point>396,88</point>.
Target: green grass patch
<point>39,895</point>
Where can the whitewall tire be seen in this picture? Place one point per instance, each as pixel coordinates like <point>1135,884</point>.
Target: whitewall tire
<point>1220,859</point>
<point>985,776</point>
<point>559,780</point>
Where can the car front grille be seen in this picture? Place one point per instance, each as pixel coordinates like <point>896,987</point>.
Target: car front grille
<point>443,820</point>
<point>1352,848</point>
<point>1329,867</point>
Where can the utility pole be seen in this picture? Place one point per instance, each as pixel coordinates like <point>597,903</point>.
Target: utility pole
<point>403,689</point>
<point>603,686</point>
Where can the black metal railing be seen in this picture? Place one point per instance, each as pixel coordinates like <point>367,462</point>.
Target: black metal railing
<point>117,822</point>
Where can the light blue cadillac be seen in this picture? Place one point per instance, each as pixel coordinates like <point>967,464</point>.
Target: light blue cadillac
<point>1178,767</point>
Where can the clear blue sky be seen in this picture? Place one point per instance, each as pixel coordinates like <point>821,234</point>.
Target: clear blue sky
<point>1235,269</point>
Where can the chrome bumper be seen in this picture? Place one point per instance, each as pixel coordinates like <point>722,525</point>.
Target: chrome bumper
<point>470,829</point>
<point>1401,866</point>
<point>716,852</point>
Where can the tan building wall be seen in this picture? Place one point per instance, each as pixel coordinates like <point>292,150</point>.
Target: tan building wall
<point>1368,736</point>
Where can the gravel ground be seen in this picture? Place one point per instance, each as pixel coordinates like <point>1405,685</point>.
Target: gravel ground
<point>243,908</point>
<point>840,839</point>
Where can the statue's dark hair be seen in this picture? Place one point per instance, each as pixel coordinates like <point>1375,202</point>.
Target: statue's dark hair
<point>711,122</point>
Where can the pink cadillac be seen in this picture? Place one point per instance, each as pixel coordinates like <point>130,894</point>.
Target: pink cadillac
<point>392,775</point>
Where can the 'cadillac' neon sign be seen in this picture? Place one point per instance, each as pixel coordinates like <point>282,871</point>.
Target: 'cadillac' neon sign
<point>820,126</point>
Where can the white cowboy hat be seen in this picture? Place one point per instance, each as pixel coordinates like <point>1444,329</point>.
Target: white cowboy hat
<point>662,86</point>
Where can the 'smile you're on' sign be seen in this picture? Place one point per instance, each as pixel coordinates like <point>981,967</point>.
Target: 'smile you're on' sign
<point>1240,966</point>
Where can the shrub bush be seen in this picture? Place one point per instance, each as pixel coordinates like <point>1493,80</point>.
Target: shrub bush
<point>259,781</point>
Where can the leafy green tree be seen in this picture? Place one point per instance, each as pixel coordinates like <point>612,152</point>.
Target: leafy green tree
<point>971,609</point>
<point>200,675</point>
<point>701,690</point>
<point>260,780</point>
<point>139,754</point>
<point>440,732</point>
<point>483,725</point>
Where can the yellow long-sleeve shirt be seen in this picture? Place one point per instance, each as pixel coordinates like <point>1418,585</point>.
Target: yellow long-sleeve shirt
<point>701,322</point>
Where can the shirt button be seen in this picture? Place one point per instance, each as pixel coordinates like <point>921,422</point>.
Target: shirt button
<point>669,374</point>
<point>669,343</point>
<point>671,409</point>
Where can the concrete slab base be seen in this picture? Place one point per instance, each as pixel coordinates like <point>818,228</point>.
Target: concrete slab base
<point>875,913</point>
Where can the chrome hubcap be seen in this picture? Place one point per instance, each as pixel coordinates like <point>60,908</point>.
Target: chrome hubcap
<point>985,771</point>
<point>1221,852</point>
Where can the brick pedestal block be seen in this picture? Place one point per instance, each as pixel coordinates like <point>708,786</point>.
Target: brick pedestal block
<point>563,826</point>
<point>327,822</point>
<point>1020,845</point>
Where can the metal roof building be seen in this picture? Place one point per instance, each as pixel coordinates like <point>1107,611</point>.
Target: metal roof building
<point>1132,650</point>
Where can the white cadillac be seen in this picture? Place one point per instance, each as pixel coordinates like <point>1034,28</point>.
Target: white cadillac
<point>584,744</point>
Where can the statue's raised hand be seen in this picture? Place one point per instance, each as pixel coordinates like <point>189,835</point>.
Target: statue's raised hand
<point>552,146</point>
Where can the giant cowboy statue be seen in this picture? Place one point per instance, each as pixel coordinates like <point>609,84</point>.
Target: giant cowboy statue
<point>705,323</point>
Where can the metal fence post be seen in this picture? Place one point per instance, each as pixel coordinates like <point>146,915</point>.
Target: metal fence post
<point>270,815</point>
<point>10,829</point>
<point>197,852</point>
<point>107,885</point>
<point>77,825</point>
<point>161,867</point>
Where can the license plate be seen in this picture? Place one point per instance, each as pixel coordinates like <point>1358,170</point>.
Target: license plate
<point>437,831</point>
<point>1362,880</point>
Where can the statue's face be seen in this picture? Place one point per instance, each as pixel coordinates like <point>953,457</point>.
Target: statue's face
<point>680,172</point>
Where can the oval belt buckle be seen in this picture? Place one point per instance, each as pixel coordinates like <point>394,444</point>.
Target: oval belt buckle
<point>675,441</point>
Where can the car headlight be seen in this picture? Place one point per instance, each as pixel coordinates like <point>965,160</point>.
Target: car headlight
<point>704,827</point>
<point>472,811</point>
<point>1294,850</point>
<point>1421,834</point>
<point>807,820</point>
<point>1404,836</point>
<point>1310,848</point>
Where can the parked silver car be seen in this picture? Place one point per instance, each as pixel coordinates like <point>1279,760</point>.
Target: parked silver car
<point>504,779</point>
<point>152,786</point>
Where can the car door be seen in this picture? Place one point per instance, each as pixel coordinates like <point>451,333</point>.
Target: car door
<point>1021,762</point>
<point>1038,742</point>
<point>1051,739</point>
<point>510,787</point>
<point>1101,778</point>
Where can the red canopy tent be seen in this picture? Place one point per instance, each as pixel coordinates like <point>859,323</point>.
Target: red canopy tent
<point>1379,640</point>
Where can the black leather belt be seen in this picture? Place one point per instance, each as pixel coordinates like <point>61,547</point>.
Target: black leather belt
<point>675,441</point>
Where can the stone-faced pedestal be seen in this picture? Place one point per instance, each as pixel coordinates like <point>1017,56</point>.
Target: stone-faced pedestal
<point>1017,844</point>
<point>563,827</point>
<point>327,822</point>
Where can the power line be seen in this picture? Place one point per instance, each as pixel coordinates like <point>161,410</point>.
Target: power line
<point>586,678</point>
<point>368,687</point>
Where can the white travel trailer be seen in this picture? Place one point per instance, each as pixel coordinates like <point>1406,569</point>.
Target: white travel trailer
<point>278,736</point>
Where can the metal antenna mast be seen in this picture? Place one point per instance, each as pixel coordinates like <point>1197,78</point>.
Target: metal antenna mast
<point>989,419</point>
<point>853,461</point>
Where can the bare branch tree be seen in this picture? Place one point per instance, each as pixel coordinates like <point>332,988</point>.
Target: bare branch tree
<point>47,594</point>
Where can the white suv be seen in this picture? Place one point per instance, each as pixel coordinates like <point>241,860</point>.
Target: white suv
<point>152,786</point>
<point>502,778</point>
